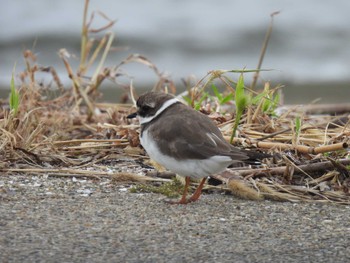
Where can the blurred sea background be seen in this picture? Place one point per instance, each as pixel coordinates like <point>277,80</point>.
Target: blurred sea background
<point>309,49</point>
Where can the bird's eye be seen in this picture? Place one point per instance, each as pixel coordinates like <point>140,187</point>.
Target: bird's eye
<point>145,108</point>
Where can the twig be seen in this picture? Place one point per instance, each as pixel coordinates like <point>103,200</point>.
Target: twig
<point>79,141</point>
<point>339,108</point>
<point>263,51</point>
<point>82,173</point>
<point>285,146</point>
<point>84,38</point>
<point>279,171</point>
<point>340,167</point>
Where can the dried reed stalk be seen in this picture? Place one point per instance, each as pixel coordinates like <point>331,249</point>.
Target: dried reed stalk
<point>285,146</point>
<point>84,173</point>
<point>320,167</point>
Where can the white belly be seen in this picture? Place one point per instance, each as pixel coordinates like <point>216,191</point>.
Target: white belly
<point>193,168</point>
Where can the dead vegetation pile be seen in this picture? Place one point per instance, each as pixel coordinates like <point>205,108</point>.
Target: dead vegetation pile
<point>69,133</point>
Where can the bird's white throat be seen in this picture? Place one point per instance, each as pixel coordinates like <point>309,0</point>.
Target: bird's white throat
<point>167,104</point>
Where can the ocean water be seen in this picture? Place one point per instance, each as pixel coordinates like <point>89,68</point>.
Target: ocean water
<point>310,41</point>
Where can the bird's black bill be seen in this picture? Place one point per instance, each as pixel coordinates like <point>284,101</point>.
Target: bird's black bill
<point>132,115</point>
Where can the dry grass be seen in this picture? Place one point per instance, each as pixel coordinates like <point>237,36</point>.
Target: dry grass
<point>57,137</point>
<point>71,134</point>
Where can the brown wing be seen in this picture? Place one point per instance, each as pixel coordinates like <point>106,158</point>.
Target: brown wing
<point>187,133</point>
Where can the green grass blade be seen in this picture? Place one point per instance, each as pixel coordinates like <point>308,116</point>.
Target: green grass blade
<point>14,94</point>
<point>297,126</point>
<point>228,98</point>
<point>216,92</point>
<point>241,103</point>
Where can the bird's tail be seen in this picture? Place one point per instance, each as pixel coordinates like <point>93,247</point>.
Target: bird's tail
<point>255,157</point>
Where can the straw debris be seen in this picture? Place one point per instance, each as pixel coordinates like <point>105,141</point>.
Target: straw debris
<point>66,132</point>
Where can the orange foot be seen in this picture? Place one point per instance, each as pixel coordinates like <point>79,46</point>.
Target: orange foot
<point>193,198</point>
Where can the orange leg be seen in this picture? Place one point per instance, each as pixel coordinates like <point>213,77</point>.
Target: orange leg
<point>198,191</point>
<point>183,200</point>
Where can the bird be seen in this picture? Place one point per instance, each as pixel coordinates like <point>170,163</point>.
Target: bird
<point>183,140</point>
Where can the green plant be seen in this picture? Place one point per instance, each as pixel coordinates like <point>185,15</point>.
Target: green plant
<point>171,189</point>
<point>196,104</point>
<point>220,96</point>
<point>297,125</point>
<point>242,101</point>
<point>267,101</point>
<point>14,94</point>
<point>297,130</point>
